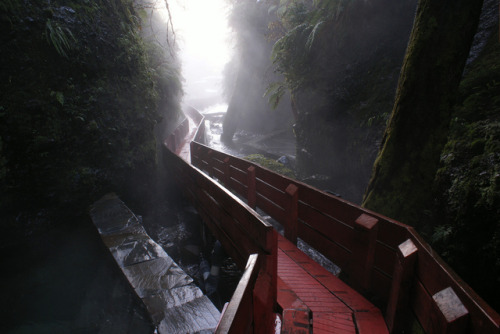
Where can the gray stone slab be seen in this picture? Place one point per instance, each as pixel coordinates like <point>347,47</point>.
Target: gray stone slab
<point>131,233</point>
<point>174,302</point>
<point>157,275</point>
<point>197,316</point>
<point>137,251</point>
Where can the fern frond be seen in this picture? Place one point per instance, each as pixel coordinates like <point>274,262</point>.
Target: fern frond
<point>312,36</point>
<point>275,92</point>
<point>61,38</point>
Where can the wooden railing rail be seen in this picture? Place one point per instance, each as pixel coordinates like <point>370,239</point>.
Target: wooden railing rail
<point>174,140</point>
<point>379,256</point>
<point>200,121</point>
<point>237,316</point>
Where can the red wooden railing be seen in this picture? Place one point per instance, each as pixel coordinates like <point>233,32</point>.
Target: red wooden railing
<point>379,257</point>
<point>245,237</point>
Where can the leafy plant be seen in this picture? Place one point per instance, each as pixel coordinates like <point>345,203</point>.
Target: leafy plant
<point>60,37</point>
<point>293,52</point>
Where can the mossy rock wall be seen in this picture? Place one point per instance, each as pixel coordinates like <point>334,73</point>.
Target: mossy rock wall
<point>78,104</point>
<point>467,185</point>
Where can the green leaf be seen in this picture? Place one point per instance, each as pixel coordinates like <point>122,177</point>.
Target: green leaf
<point>59,97</point>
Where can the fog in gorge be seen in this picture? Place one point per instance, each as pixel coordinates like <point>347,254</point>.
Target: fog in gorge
<point>204,41</point>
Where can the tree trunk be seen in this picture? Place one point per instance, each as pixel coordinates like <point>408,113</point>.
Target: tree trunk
<point>403,173</point>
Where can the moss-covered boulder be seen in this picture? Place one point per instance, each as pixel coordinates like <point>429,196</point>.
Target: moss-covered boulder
<point>271,164</point>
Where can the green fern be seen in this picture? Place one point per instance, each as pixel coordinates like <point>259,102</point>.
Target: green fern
<point>9,5</point>
<point>60,37</point>
<point>275,92</point>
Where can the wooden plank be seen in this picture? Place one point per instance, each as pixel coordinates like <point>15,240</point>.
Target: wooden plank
<point>227,172</point>
<point>338,323</point>
<point>238,315</point>
<point>296,314</point>
<point>380,287</point>
<point>251,187</point>
<point>371,322</point>
<point>331,250</point>
<point>271,208</point>
<point>287,299</point>
<point>333,206</point>
<point>241,163</point>
<point>385,258</point>
<point>218,174</point>
<point>273,194</point>
<point>238,174</point>
<point>227,223</point>
<point>216,162</point>
<point>250,222</point>
<point>390,233</point>
<point>334,284</point>
<point>278,181</point>
<point>296,321</point>
<point>232,249</point>
<point>238,187</point>
<point>331,228</point>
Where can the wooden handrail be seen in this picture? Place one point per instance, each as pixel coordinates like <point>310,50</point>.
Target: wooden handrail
<point>365,244</point>
<point>237,316</point>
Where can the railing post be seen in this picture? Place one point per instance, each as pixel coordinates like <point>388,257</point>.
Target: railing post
<point>452,317</point>
<point>227,170</point>
<point>265,291</point>
<point>396,315</point>
<point>193,155</point>
<point>251,190</point>
<point>291,213</point>
<point>363,252</point>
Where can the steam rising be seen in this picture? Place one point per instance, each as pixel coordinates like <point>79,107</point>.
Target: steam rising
<point>203,37</point>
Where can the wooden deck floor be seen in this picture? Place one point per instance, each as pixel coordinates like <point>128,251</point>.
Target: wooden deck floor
<point>315,301</point>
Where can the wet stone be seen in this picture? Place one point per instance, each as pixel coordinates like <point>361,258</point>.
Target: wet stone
<point>125,236</point>
<point>175,303</point>
<point>193,317</point>
<point>157,275</point>
<point>137,251</point>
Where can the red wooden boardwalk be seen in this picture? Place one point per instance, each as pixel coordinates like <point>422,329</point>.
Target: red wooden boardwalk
<point>314,300</point>
<point>378,255</point>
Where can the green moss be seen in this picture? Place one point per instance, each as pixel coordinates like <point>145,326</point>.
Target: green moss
<point>271,164</point>
<point>467,188</point>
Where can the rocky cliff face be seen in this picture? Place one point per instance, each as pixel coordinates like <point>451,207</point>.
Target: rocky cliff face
<point>78,105</point>
<point>467,186</point>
